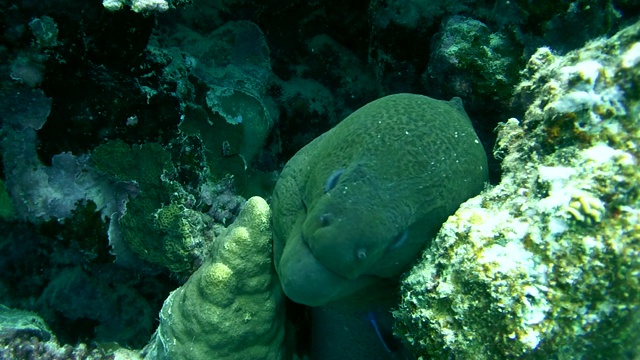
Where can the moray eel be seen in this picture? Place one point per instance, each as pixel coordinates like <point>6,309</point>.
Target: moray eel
<point>354,207</point>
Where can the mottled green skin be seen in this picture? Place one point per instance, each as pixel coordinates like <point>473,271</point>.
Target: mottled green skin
<point>409,161</point>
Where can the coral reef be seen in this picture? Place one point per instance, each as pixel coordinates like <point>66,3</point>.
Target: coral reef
<point>223,202</point>
<point>226,109</point>
<point>41,192</point>
<point>203,102</point>
<point>469,60</point>
<point>122,315</point>
<point>144,6</point>
<point>410,14</point>
<point>545,264</point>
<point>159,224</point>
<point>24,335</point>
<point>232,307</point>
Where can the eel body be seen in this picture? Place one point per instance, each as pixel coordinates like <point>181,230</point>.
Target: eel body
<point>354,207</point>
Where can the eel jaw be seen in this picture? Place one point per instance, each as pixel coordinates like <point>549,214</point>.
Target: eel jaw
<point>306,281</point>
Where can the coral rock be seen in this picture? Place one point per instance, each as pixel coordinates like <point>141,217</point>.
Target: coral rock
<point>545,264</point>
<point>232,306</point>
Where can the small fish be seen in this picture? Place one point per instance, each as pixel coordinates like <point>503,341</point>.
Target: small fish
<point>372,319</point>
<point>399,240</point>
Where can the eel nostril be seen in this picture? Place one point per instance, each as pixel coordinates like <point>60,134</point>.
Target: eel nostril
<point>326,219</point>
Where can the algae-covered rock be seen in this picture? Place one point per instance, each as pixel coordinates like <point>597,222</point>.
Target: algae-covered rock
<point>545,264</point>
<point>470,60</point>
<point>232,306</point>
<point>156,226</point>
<point>142,166</point>
<point>25,335</point>
<point>120,314</point>
<point>234,69</point>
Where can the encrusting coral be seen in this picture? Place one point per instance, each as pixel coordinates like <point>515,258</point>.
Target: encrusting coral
<point>232,306</point>
<point>545,264</point>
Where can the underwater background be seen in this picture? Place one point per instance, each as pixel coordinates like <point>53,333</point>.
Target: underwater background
<point>141,142</point>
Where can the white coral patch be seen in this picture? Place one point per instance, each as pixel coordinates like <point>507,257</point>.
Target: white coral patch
<point>508,258</point>
<point>558,179</point>
<point>631,57</point>
<point>557,225</point>
<point>531,338</point>
<point>149,5</point>
<point>112,5</point>
<point>575,101</point>
<point>590,244</point>
<point>586,72</point>
<point>536,305</point>
<point>601,153</point>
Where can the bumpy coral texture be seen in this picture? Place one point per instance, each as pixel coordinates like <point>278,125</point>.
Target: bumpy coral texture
<point>232,306</point>
<point>545,264</point>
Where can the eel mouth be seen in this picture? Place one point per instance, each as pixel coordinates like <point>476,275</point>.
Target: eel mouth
<point>307,281</point>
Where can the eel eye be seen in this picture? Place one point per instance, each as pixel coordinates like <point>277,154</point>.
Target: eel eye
<point>361,254</point>
<point>333,179</point>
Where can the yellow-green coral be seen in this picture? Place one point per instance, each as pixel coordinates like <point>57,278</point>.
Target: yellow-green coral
<point>181,234</point>
<point>232,306</point>
<point>546,263</point>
